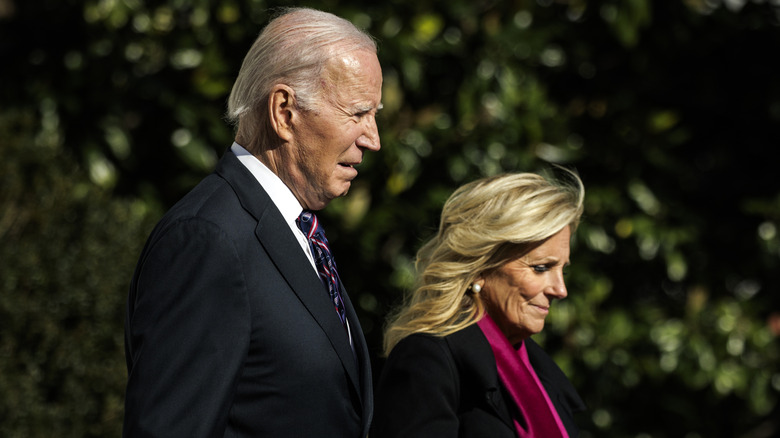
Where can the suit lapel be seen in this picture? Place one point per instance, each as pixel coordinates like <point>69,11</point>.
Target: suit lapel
<point>475,354</point>
<point>472,350</point>
<point>275,236</point>
<point>363,360</point>
<point>560,390</point>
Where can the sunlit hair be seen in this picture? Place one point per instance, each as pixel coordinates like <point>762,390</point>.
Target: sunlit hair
<point>484,224</point>
<point>293,49</point>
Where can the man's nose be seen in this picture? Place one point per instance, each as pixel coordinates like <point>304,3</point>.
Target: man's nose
<point>370,138</point>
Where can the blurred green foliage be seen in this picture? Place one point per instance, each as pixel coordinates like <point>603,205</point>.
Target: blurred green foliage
<point>66,249</point>
<point>110,110</point>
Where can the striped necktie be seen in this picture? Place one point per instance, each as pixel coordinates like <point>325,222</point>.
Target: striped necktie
<point>326,266</point>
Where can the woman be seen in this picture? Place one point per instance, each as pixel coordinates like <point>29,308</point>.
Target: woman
<point>461,362</point>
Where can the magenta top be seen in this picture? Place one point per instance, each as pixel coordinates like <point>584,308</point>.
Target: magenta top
<point>522,383</point>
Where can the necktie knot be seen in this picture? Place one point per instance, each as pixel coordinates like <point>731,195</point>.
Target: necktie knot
<point>308,223</point>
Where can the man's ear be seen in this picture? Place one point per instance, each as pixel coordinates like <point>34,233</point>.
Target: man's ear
<point>281,110</point>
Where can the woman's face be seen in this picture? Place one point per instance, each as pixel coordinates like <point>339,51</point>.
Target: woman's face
<point>519,293</point>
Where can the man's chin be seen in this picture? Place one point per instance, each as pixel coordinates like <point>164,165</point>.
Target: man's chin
<point>343,188</point>
<point>344,192</point>
<point>341,191</point>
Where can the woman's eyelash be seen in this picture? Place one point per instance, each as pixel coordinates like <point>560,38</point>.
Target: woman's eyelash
<point>547,267</point>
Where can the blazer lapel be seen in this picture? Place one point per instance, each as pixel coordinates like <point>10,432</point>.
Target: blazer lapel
<point>278,241</point>
<point>475,354</point>
<point>276,238</point>
<point>561,391</point>
<point>363,360</point>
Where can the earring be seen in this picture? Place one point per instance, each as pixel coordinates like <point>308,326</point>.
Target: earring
<point>476,288</point>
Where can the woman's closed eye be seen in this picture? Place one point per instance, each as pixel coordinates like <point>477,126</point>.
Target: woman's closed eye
<point>548,266</point>
<point>541,268</point>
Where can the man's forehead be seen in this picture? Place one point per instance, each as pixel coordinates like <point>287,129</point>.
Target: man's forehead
<point>353,81</point>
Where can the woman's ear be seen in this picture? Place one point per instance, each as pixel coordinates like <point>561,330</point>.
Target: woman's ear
<point>281,110</point>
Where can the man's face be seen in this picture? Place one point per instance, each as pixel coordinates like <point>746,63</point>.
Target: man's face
<point>329,140</point>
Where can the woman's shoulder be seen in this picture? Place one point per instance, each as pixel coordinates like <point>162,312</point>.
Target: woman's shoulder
<point>421,358</point>
<point>464,339</point>
<point>465,351</point>
<point>416,343</point>
<point>448,348</point>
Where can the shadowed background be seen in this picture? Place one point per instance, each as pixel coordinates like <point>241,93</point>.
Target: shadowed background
<point>111,110</point>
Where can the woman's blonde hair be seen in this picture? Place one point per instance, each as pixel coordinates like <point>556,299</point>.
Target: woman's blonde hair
<point>483,225</point>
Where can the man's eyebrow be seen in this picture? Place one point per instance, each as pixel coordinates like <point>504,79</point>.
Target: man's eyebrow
<point>368,107</point>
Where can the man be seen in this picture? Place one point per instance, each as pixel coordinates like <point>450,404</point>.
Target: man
<point>233,327</point>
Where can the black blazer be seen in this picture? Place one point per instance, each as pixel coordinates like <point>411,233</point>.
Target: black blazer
<point>229,331</point>
<point>449,387</point>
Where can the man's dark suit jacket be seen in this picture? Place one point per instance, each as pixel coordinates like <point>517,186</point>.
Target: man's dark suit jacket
<point>447,387</point>
<point>229,330</point>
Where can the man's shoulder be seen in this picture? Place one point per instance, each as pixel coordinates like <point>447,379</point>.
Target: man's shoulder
<point>212,193</point>
<point>211,202</point>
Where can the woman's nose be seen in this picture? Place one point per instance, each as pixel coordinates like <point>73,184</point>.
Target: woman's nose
<point>558,287</point>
